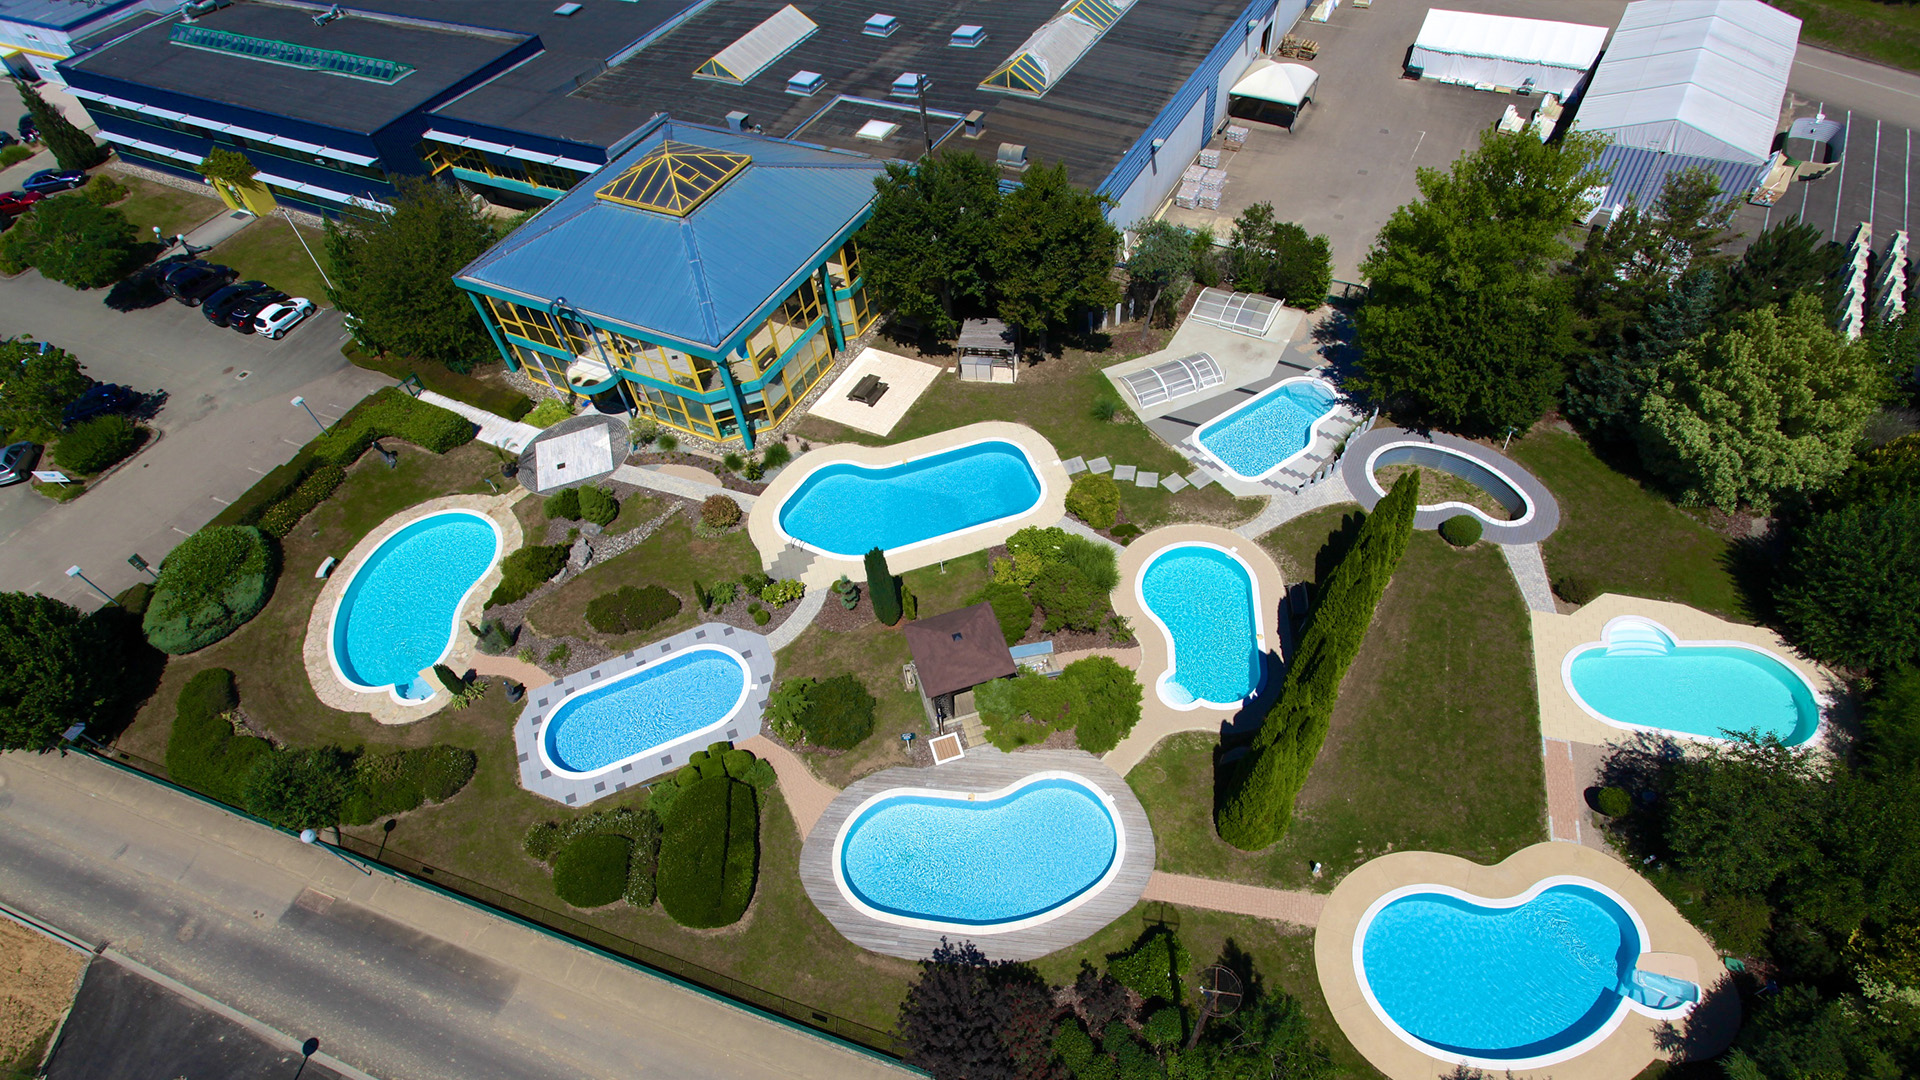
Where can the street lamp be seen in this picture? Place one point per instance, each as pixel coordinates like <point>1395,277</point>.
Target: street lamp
<point>74,571</point>
<point>311,837</point>
<point>302,402</point>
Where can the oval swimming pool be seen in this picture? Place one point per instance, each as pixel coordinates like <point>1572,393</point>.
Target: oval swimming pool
<point>1640,676</point>
<point>639,712</point>
<point>1205,601</point>
<point>1260,437</point>
<point>848,509</point>
<point>980,862</point>
<point>398,614</point>
<point>1516,983</point>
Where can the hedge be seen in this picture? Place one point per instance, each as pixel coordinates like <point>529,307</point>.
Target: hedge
<point>598,506</point>
<point>442,380</point>
<point>402,780</point>
<point>94,444</point>
<point>1095,499</point>
<point>209,586</point>
<point>1261,786</point>
<point>281,517</point>
<point>203,752</point>
<point>709,853</point>
<point>1153,966</point>
<point>631,608</point>
<point>592,871</point>
<point>547,839</point>
<point>526,570</point>
<point>839,713</point>
<point>1461,530</point>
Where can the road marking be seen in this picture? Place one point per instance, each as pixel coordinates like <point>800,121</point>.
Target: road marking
<point>1846,139</point>
<point>179,530</point>
<point>290,442</point>
<point>1858,79</point>
<point>1417,144</point>
<point>219,500</point>
<point>1874,189</point>
<point>1906,179</point>
<point>262,472</point>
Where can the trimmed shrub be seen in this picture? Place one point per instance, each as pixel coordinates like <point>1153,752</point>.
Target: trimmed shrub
<point>719,512</point>
<point>203,751</point>
<point>492,637</point>
<point>598,506</point>
<point>733,462</point>
<point>94,444</point>
<point>838,713</point>
<point>883,588</point>
<point>209,586</point>
<point>762,617</point>
<point>1461,530</point>
<point>1575,589</point>
<point>1011,609</point>
<point>1125,532</point>
<point>301,788</point>
<point>1095,499</point>
<point>563,505</point>
<point>281,517</point>
<point>775,456</point>
<point>102,189</point>
<point>402,780</point>
<point>1613,802</point>
<point>630,608</point>
<point>547,413</point>
<point>592,871</point>
<point>667,442</point>
<point>709,853</point>
<point>909,603</point>
<point>526,570</point>
<point>1154,966</point>
<point>14,155</point>
<point>546,840</point>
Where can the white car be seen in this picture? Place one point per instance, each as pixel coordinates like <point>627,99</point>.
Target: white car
<point>275,320</point>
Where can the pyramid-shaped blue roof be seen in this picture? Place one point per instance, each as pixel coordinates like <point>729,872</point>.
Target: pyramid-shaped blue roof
<point>698,278</point>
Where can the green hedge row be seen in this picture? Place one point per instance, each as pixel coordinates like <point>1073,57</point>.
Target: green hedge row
<point>403,780</point>
<point>209,586</point>
<point>710,852</point>
<point>94,444</point>
<point>630,608</point>
<point>526,570</point>
<point>548,840</point>
<point>572,504</point>
<point>282,516</point>
<point>592,871</point>
<point>203,752</point>
<point>438,378</point>
<point>1262,786</point>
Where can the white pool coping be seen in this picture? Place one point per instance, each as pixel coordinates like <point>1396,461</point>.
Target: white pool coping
<point>733,711</point>
<point>1313,427</point>
<point>1166,675</point>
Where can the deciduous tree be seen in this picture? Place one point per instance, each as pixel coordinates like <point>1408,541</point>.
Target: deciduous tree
<point>41,381</point>
<point>58,667</point>
<point>1054,253</point>
<point>1279,258</point>
<point>74,241</point>
<point>969,1018</point>
<point>925,250</point>
<point>1161,266</point>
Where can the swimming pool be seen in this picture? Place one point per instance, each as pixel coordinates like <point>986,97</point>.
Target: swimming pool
<point>1206,602</point>
<point>847,509</point>
<point>1261,437</point>
<point>1517,983</point>
<point>980,862</point>
<point>637,713</point>
<point>398,615</point>
<point>1640,677</point>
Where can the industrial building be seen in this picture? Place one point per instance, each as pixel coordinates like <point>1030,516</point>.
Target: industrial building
<point>36,34</point>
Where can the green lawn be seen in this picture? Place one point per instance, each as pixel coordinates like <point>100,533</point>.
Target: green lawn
<point>1623,537</point>
<point>672,558</point>
<point>1303,545</point>
<point>173,210</point>
<point>1435,744</point>
<point>268,250</point>
<point>1887,33</point>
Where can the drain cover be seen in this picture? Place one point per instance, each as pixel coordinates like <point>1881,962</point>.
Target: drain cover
<point>243,375</point>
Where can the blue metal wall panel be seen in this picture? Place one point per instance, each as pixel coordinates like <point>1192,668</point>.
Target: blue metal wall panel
<point>1637,175</point>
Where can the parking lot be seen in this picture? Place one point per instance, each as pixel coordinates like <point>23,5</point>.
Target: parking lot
<point>1873,181</point>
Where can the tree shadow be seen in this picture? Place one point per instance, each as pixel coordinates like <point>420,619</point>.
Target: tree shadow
<point>143,665</point>
<point>1706,1031</point>
<point>1643,767</point>
<point>1240,962</point>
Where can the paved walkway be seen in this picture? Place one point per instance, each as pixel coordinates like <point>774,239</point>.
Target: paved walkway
<point>1079,528</point>
<point>807,795</point>
<point>1566,809</point>
<point>802,617</point>
<point>1280,905</point>
<point>495,430</point>
<point>531,676</point>
<point>679,485</point>
<point>1284,506</point>
<point>1510,483</point>
<point>1530,573</point>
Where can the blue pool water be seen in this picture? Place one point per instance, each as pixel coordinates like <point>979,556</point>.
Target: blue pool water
<point>848,509</point>
<point>1503,984</point>
<point>397,616</point>
<point>644,709</point>
<point>1256,438</point>
<point>1204,598</point>
<point>1642,677</point>
<point>979,863</point>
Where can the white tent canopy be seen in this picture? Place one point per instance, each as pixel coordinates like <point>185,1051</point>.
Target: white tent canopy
<point>1499,50</point>
<point>1282,84</point>
<point>1703,78</point>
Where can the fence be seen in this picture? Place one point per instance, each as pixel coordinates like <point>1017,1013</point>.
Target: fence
<point>558,924</point>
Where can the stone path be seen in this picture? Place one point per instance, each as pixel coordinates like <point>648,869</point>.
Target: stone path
<point>1566,809</point>
<point>807,795</point>
<point>1280,905</point>
<point>1079,528</point>
<point>678,485</point>
<point>531,676</point>
<point>797,623</point>
<point>1284,506</point>
<point>1530,572</point>
<point>495,430</point>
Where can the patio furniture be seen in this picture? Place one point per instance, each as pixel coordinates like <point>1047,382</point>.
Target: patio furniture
<point>868,390</point>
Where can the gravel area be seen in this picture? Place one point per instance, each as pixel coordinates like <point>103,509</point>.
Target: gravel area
<point>37,981</point>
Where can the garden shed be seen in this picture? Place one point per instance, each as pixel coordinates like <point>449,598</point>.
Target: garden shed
<point>957,651</point>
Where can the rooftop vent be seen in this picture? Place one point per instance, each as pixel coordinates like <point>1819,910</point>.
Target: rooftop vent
<point>968,37</point>
<point>910,84</point>
<point>567,9</point>
<point>976,121</point>
<point>739,62</point>
<point>877,130</point>
<point>806,83</point>
<point>738,121</point>
<point>1012,156</point>
<point>881,26</point>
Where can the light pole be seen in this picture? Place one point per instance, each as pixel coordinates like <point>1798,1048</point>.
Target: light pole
<point>302,402</point>
<point>74,571</point>
<point>311,837</point>
<point>303,243</point>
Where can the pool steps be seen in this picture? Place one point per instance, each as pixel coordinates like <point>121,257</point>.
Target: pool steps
<point>1632,637</point>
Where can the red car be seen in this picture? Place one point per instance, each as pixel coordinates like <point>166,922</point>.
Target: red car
<point>16,202</point>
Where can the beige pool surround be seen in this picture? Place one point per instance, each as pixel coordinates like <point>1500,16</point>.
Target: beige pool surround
<point>1674,948</point>
<point>763,525</point>
<point>328,685</point>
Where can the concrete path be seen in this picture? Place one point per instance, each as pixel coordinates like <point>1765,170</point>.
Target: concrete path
<point>1530,573</point>
<point>391,978</point>
<point>1280,905</point>
<point>495,430</point>
<point>531,676</point>
<point>1079,528</point>
<point>1155,726</point>
<point>807,795</point>
<point>1566,809</point>
<point>1284,506</point>
<point>640,476</point>
<point>797,623</point>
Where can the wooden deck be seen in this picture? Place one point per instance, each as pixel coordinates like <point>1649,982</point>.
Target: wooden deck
<point>984,769</point>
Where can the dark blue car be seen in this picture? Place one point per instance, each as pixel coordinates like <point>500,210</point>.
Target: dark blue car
<point>48,181</point>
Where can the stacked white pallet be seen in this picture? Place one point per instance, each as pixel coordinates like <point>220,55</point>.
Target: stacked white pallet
<point>1853,318</point>
<point>1210,158</point>
<point>1890,284</point>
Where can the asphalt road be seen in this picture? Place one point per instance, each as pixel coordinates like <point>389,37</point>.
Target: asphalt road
<point>392,979</point>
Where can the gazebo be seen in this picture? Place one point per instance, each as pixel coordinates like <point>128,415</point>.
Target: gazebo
<point>986,351</point>
<point>955,652</point>
<point>1289,86</point>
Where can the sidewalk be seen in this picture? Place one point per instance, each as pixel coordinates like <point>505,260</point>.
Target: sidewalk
<point>1280,905</point>
<point>495,430</point>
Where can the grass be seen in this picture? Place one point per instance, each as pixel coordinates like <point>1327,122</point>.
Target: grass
<point>1888,33</point>
<point>173,210</point>
<point>268,251</point>
<point>1623,537</point>
<point>874,654</point>
<point>672,558</point>
<point>1305,547</point>
<point>1435,744</point>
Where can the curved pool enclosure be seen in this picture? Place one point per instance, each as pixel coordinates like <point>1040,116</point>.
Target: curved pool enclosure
<point>1206,603</point>
<point>847,509</point>
<point>398,614</point>
<point>1641,677</point>
<point>635,714</point>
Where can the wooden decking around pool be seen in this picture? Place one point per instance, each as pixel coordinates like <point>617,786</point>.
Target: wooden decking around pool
<point>984,769</point>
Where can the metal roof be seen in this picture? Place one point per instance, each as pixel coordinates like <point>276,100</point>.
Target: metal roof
<point>59,14</point>
<point>1638,174</point>
<point>1504,37</point>
<point>696,279</point>
<point>749,56</point>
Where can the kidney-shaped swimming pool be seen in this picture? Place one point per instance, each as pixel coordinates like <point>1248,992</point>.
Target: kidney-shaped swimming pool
<point>398,614</point>
<point>847,509</point>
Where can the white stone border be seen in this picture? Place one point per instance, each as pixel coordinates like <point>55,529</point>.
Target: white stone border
<point>1821,700</point>
<point>1104,800</point>
<point>739,702</point>
<point>1512,485</point>
<point>1593,1039</point>
<point>1313,427</point>
<point>1173,656</point>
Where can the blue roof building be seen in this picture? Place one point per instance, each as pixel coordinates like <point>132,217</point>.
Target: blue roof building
<point>709,276</point>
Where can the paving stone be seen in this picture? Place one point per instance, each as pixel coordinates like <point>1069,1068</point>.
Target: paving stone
<point>1099,465</point>
<point>1199,479</point>
<point>1074,465</point>
<point>1174,483</point>
<point>1146,479</point>
<point>1123,472</point>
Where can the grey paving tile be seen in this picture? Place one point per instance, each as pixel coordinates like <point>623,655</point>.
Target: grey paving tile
<point>1123,472</point>
<point>1074,465</point>
<point>1199,479</point>
<point>1172,482</point>
<point>1099,465</point>
<point>1146,479</point>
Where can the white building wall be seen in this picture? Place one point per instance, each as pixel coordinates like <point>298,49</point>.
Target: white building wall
<point>1478,70</point>
<point>1156,182</point>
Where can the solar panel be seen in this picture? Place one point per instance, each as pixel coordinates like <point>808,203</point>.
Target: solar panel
<point>1242,313</point>
<point>1175,378</point>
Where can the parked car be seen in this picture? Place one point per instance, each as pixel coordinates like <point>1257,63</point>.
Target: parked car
<point>29,129</point>
<point>7,139</point>
<point>15,203</point>
<point>218,305</point>
<point>48,181</point>
<point>275,320</point>
<point>241,316</point>
<point>196,283</point>
<point>17,462</point>
<point>100,399</point>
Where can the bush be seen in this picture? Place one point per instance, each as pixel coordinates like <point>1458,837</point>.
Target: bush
<point>1575,589</point>
<point>709,853</point>
<point>549,412</point>
<point>14,155</point>
<point>1154,966</point>
<point>281,517</point>
<point>883,588</point>
<point>301,788</point>
<point>547,839</point>
<point>402,780</point>
<point>630,608</point>
<point>1105,702</point>
<point>761,617</point>
<point>1461,530</point>
<point>1011,609</point>
<point>526,570</point>
<point>719,512</point>
<point>598,506</point>
<point>775,456</point>
<point>563,505</point>
<point>1095,499</point>
<point>203,751</point>
<point>838,713</point>
<point>1613,802</point>
<point>209,586</point>
<point>592,871</point>
<point>94,444</point>
<point>1124,532</point>
<point>667,442</point>
<point>1068,599</point>
<point>78,243</point>
<point>641,431</point>
<point>1164,1028</point>
<point>492,637</point>
<point>102,190</point>
<point>733,462</point>
<point>784,592</point>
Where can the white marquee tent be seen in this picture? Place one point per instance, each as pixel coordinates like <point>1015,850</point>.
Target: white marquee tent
<point>1282,84</point>
<point>1498,50</point>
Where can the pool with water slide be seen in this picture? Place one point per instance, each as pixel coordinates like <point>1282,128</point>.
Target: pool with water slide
<point>1641,677</point>
<point>637,713</point>
<point>398,614</point>
<point>1205,601</point>
<point>847,509</point>
<point>1262,436</point>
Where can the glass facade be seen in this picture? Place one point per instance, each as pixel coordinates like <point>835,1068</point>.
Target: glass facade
<point>440,157</point>
<point>260,152</point>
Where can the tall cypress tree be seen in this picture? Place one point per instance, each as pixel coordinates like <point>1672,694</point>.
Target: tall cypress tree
<point>71,147</point>
<point>883,587</point>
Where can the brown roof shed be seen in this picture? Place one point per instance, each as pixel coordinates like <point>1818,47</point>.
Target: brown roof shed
<point>958,650</point>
